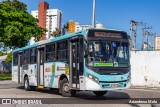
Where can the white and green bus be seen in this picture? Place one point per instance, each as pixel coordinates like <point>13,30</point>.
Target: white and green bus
<point>95,60</point>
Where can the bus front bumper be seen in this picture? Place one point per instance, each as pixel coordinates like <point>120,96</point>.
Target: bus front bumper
<point>102,86</point>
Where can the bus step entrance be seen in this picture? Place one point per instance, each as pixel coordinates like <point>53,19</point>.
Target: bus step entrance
<point>40,86</point>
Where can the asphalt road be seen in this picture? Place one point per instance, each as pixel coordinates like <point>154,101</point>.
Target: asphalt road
<point>82,99</point>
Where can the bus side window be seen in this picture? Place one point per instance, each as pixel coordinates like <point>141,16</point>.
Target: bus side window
<point>33,53</point>
<point>62,50</point>
<point>26,56</point>
<point>50,52</point>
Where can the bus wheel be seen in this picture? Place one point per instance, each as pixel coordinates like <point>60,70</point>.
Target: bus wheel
<point>26,84</point>
<point>99,93</point>
<point>64,89</point>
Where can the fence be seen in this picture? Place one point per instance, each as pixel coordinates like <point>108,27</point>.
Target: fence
<point>145,68</point>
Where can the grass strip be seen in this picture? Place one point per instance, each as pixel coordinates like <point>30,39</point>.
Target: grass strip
<point>5,77</point>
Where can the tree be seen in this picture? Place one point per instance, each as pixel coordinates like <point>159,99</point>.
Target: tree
<point>17,26</point>
<point>3,47</point>
<point>9,57</point>
<point>2,53</point>
<point>56,33</point>
<point>65,28</point>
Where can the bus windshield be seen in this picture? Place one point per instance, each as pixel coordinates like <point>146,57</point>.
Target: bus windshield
<point>108,54</point>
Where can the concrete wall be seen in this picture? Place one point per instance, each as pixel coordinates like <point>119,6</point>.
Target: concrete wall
<point>145,68</point>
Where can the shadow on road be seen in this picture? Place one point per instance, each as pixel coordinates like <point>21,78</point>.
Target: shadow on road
<point>85,97</point>
<point>88,95</point>
<point>110,95</point>
<point>45,90</point>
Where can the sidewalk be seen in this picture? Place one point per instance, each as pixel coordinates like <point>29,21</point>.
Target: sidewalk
<point>145,87</point>
<point>8,84</point>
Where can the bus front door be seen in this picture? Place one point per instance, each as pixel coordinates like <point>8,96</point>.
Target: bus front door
<point>40,74</point>
<point>20,70</point>
<point>74,63</point>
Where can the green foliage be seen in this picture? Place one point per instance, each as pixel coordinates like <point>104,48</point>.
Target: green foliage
<point>2,53</point>
<point>6,77</point>
<point>65,28</point>
<point>17,26</point>
<point>9,57</point>
<point>56,33</point>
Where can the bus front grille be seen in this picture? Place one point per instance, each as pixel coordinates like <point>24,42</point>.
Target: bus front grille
<point>112,81</point>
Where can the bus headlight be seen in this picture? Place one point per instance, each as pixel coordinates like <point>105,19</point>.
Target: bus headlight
<point>129,78</point>
<point>90,76</point>
<point>93,78</point>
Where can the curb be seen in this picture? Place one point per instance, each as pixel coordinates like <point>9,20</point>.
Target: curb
<point>6,84</point>
<point>145,88</point>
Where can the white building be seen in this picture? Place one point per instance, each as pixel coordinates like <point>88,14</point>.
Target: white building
<point>53,21</point>
<point>81,27</point>
<point>75,26</point>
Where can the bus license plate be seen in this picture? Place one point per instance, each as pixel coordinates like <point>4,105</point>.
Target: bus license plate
<point>114,85</point>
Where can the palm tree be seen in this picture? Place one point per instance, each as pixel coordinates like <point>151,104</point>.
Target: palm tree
<point>56,33</point>
<point>65,28</point>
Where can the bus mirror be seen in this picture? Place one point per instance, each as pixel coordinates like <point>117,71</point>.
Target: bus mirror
<point>85,49</point>
<point>85,54</point>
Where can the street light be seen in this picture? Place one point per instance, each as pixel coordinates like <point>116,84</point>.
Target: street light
<point>93,14</point>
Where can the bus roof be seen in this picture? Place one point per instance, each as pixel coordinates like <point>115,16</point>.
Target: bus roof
<point>83,32</point>
<point>115,30</point>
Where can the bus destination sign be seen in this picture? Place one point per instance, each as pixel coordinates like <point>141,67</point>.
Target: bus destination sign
<point>108,34</point>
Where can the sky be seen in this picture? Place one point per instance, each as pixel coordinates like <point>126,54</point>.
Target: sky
<point>115,14</point>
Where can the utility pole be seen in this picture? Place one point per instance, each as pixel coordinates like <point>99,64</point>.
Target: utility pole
<point>93,14</point>
<point>133,29</point>
<point>143,35</point>
<point>135,35</point>
<point>154,41</point>
<point>149,34</point>
<point>131,32</point>
<point>153,34</point>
